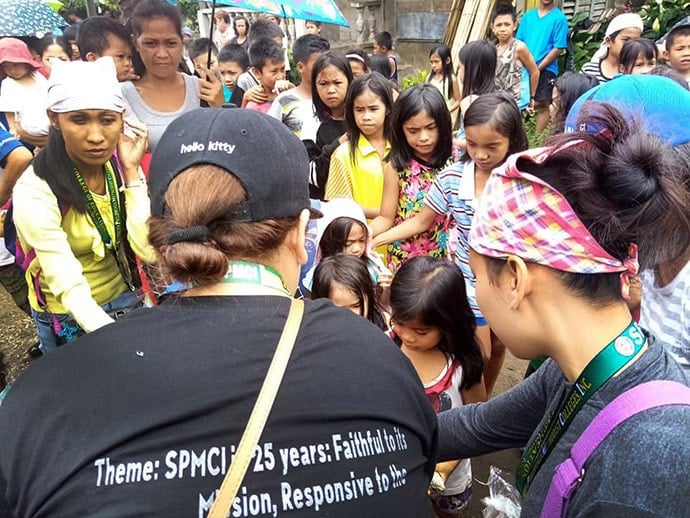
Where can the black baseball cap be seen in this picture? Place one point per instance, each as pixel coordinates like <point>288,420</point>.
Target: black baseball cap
<point>262,153</point>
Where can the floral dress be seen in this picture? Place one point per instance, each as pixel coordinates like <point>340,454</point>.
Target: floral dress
<point>413,182</point>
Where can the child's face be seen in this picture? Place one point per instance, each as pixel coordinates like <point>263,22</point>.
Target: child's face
<point>331,86</point>
<point>312,28</point>
<point>241,27</point>
<point>305,68</point>
<point>503,27</point>
<point>421,133</point>
<point>370,114</point>
<point>378,49</point>
<point>229,72</point>
<point>642,65</point>
<point>201,60</point>
<point>121,52</point>
<point>436,63</point>
<point>53,51</point>
<point>271,72</point>
<point>417,336</point>
<point>678,56</point>
<point>486,146</point>
<point>357,67</point>
<point>356,243</point>
<point>615,46</point>
<point>16,70</point>
<point>344,297</point>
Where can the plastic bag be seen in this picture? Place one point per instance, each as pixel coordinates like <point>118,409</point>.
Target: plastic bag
<point>503,501</point>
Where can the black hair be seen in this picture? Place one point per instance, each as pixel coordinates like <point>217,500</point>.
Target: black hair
<point>308,44</point>
<point>384,39</point>
<point>315,24</point>
<point>503,9</point>
<point>381,88</point>
<point>334,238</point>
<point>626,186</point>
<point>353,274</point>
<point>146,10</point>
<point>433,292</point>
<point>71,32</point>
<point>414,100</point>
<point>234,52</point>
<point>200,46</point>
<point>237,19</point>
<point>632,49</point>
<point>327,59</point>
<point>444,54</point>
<point>263,50</point>
<point>479,61</point>
<point>263,28</point>
<point>681,31</point>
<point>503,115</point>
<point>50,39</point>
<point>94,32</point>
<point>570,86</point>
<point>54,165</point>
<point>381,64</point>
<point>359,55</point>
<point>666,71</point>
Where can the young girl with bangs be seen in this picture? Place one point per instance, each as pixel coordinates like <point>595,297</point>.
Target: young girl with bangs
<point>494,131</point>
<point>356,169</point>
<point>345,279</point>
<point>434,327</point>
<point>421,146</point>
<point>443,78</point>
<point>637,56</point>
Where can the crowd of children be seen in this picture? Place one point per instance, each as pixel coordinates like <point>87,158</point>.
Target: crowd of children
<point>410,185</point>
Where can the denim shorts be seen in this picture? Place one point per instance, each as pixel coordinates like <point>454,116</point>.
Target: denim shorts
<point>49,340</point>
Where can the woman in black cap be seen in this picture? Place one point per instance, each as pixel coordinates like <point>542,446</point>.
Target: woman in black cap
<point>171,389</point>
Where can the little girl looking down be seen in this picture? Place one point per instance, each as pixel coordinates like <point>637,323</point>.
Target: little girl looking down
<point>434,327</point>
<point>421,146</point>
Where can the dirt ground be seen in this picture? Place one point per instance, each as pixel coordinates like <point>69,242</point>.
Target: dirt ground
<point>17,335</point>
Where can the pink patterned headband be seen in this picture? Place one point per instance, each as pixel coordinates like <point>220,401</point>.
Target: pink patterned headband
<point>520,214</point>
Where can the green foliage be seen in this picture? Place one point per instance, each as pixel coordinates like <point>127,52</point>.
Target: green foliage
<point>535,139</point>
<point>583,43</point>
<point>188,10</point>
<point>660,15</point>
<point>414,79</point>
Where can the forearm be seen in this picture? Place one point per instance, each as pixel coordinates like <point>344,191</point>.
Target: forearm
<point>137,205</point>
<point>16,163</point>
<point>533,83</point>
<point>550,58</point>
<point>404,230</point>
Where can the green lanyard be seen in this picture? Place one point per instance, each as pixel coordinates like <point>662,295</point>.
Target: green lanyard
<point>604,366</point>
<point>94,213</point>
<point>254,279</point>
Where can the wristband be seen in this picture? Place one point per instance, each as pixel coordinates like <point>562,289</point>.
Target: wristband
<point>131,185</point>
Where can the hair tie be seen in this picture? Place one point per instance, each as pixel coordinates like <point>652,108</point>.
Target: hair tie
<point>198,234</point>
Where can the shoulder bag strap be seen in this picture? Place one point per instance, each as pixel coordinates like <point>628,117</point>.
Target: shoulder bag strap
<point>257,419</point>
<point>569,473</point>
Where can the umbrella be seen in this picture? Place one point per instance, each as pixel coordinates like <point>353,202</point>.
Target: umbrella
<point>28,18</point>
<point>325,11</point>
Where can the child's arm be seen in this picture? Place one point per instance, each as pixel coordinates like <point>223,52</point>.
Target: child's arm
<point>416,225</point>
<point>474,394</point>
<point>456,95</point>
<point>15,163</point>
<point>389,201</point>
<point>525,57</point>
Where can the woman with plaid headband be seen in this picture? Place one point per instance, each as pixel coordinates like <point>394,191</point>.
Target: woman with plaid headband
<point>555,242</point>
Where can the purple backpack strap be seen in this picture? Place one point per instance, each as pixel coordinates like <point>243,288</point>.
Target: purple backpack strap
<point>569,473</point>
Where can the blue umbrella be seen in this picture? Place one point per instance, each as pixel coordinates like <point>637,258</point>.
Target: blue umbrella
<point>325,11</point>
<point>28,18</point>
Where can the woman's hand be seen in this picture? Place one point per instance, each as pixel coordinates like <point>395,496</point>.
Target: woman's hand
<point>210,87</point>
<point>131,149</point>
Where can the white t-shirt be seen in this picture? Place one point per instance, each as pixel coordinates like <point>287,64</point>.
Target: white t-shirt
<point>28,100</point>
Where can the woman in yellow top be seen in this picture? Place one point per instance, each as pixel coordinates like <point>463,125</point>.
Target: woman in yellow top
<point>356,169</point>
<point>76,208</point>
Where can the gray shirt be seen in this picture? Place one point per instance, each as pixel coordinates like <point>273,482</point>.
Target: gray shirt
<point>641,469</point>
<point>157,121</point>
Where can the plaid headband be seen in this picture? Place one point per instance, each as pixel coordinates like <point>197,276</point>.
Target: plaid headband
<point>519,214</point>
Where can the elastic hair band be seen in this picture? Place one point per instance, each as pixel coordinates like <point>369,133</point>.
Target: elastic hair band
<point>355,56</point>
<point>198,234</point>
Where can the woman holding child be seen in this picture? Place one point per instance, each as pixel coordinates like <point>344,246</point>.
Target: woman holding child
<point>163,94</point>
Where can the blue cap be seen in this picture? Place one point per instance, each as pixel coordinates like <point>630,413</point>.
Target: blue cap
<point>660,104</point>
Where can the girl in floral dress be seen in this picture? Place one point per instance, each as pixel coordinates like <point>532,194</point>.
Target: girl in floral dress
<point>421,146</point>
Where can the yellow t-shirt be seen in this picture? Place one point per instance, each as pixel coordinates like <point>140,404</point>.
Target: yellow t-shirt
<point>362,180</point>
<point>78,274</point>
